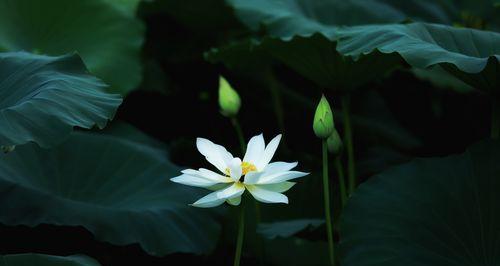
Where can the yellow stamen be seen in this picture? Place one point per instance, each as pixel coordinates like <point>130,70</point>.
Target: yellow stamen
<point>247,167</point>
<point>227,171</point>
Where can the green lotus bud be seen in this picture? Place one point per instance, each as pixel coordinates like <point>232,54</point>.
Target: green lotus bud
<point>229,100</point>
<point>334,143</point>
<point>323,119</point>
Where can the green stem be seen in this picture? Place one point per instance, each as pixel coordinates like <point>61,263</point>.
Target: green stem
<point>241,138</point>
<point>241,233</point>
<point>495,118</point>
<point>346,102</point>
<point>326,192</point>
<point>239,132</point>
<point>340,174</point>
<point>276,98</point>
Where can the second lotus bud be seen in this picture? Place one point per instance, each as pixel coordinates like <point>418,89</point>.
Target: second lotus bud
<point>334,143</point>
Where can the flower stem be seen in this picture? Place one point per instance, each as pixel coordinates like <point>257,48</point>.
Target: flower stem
<point>239,132</point>
<point>276,98</point>
<point>241,233</point>
<point>340,174</point>
<point>495,118</point>
<point>326,192</point>
<point>241,138</point>
<point>346,102</point>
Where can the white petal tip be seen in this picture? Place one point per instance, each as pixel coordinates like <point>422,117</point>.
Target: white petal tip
<point>200,140</point>
<point>260,136</point>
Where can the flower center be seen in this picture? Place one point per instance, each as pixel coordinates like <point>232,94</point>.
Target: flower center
<point>247,167</point>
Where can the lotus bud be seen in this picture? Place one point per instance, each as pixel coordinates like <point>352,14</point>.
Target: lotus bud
<point>229,100</point>
<point>334,143</point>
<point>323,119</point>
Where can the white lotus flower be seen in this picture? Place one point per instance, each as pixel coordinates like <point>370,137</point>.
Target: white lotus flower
<point>264,180</point>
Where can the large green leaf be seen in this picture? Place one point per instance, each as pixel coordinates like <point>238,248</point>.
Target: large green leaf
<point>117,188</point>
<point>314,57</point>
<point>289,18</point>
<point>105,34</point>
<point>302,35</point>
<point>30,259</point>
<point>436,211</point>
<point>470,55</point>
<point>285,17</point>
<point>42,98</point>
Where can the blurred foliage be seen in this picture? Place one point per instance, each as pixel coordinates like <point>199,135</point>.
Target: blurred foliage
<point>105,33</point>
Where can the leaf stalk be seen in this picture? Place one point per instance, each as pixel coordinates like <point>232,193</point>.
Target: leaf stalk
<point>328,217</point>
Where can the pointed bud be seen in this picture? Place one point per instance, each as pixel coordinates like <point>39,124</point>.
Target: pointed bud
<point>323,119</point>
<point>334,143</point>
<point>229,100</point>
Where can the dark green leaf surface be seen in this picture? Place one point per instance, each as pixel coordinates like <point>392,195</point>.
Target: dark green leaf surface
<point>30,259</point>
<point>42,98</point>
<point>436,211</point>
<point>311,16</point>
<point>287,228</point>
<point>119,189</point>
<point>314,57</point>
<point>470,55</point>
<point>288,18</point>
<point>103,32</point>
<point>305,35</point>
<point>302,35</point>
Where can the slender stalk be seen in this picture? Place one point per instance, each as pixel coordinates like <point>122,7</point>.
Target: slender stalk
<point>346,102</point>
<point>241,234</point>
<point>495,118</point>
<point>241,139</point>
<point>276,98</point>
<point>239,132</point>
<point>340,174</point>
<point>326,192</point>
